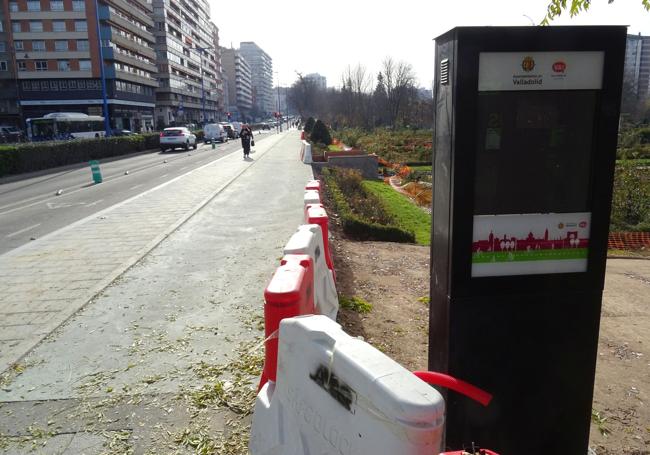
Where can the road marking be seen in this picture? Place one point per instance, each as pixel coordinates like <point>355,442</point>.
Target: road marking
<point>184,167</point>
<point>63,205</point>
<point>13,234</point>
<point>136,186</point>
<point>94,203</point>
<point>163,176</point>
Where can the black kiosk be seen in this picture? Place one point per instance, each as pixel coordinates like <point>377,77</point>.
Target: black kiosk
<point>525,136</point>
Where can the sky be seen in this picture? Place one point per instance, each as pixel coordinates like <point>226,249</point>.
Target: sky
<point>326,36</point>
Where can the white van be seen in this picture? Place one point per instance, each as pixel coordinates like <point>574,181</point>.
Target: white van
<point>214,132</point>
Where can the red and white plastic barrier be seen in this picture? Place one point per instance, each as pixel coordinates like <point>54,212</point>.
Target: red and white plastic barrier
<point>290,293</point>
<point>311,197</point>
<point>336,394</point>
<point>305,152</point>
<point>308,240</point>
<point>316,214</point>
<point>313,185</point>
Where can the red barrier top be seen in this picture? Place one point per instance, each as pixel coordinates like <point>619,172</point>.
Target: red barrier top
<point>290,293</point>
<point>313,185</point>
<point>464,452</point>
<point>316,214</point>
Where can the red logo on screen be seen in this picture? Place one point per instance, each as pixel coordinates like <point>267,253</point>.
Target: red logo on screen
<point>559,66</point>
<point>583,224</point>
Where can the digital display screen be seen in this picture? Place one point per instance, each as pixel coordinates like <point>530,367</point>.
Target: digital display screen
<point>534,151</point>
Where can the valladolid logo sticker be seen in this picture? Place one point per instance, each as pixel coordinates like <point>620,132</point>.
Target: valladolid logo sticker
<point>528,64</point>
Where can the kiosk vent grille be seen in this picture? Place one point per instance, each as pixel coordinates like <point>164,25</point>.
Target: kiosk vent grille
<point>444,71</point>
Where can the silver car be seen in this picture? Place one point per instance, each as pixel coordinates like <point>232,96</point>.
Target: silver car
<point>177,137</point>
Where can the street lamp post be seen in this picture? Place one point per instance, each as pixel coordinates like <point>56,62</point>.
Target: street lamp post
<point>107,123</point>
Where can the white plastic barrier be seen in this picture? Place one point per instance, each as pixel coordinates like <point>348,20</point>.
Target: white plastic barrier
<point>311,197</point>
<point>309,240</point>
<point>338,395</point>
<point>305,152</point>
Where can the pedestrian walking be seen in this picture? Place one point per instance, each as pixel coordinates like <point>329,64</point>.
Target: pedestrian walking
<point>246,136</point>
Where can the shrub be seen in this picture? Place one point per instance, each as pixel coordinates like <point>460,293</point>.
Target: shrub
<point>309,125</point>
<point>630,201</point>
<point>350,136</point>
<point>20,158</point>
<point>320,133</point>
<point>354,224</point>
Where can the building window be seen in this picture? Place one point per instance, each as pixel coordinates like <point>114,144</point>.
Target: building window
<point>63,65</point>
<point>63,85</point>
<point>38,46</point>
<point>15,26</point>
<point>54,86</point>
<point>41,65</point>
<point>45,86</point>
<point>35,26</point>
<point>82,45</point>
<point>33,5</point>
<point>84,65</point>
<point>72,85</point>
<point>78,5</point>
<point>56,5</point>
<point>61,45</point>
<point>58,26</point>
<point>13,7</point>
<point>3,65</point>
<point>80,26</point>
<point>3,46</point>
<point>18,45</point>
<point>22,65</point>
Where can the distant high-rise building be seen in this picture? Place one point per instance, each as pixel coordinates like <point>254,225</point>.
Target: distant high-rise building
<point>318,80</point>
<point>55,49</point>
<point>239,87</point>
<point>262,76</point>
<point>189,64</point>
<point>637,65</point>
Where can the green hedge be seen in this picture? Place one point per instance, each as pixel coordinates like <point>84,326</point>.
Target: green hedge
<point>357,227</point>
<point>35,156</point>
<point>631,199</point>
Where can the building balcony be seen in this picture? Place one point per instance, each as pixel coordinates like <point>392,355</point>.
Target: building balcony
<point>132,45</point>
<point>125,6</point>
<point>131,27</point>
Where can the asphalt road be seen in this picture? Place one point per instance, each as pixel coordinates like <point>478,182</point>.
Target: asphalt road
<point>30,207</point>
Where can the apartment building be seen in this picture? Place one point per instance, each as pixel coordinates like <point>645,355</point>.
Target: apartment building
<point>189,63</point>
<point>9,109</point>
<point>58,64</point>
<point>262,77</point>
<point>319,81</point>
<point>240,86</point>
<point>637,65</point>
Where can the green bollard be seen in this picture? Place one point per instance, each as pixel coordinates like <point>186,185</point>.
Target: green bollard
<point>213,144</point>
<point>97,173</point>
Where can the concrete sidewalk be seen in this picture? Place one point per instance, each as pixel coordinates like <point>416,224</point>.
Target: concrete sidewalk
<point>47,281</point>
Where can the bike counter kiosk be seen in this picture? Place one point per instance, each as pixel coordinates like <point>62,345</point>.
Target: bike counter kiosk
<point>524,151</point>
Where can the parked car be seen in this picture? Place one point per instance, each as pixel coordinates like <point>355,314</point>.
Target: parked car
<point>177,137</point>
<point>10,134</point>
<point>237,127</point>
<point>214,132</point>
<point>120,132</point>
<point>229,130</point>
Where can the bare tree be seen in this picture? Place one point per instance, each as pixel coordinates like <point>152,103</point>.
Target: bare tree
<point>399,78</point>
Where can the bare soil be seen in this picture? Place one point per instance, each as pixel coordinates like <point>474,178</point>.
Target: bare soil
<point>394,278</point>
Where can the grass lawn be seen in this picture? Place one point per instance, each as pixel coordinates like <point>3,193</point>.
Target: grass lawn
<point>407,215</point>
<point>335,148</point>
<point>420,168</point>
